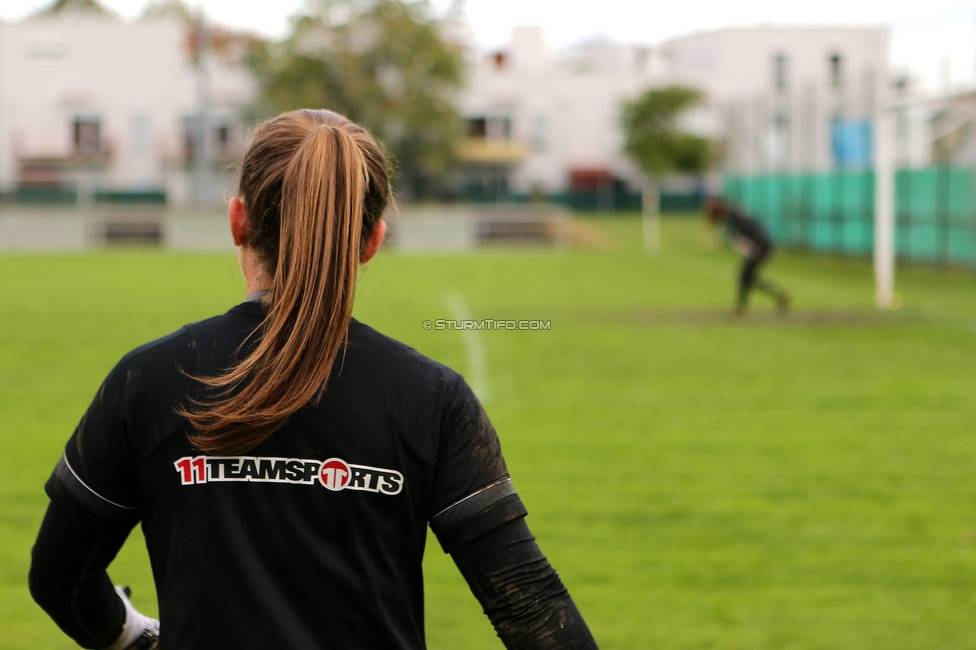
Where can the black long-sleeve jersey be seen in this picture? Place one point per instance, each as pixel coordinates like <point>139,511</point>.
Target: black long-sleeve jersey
<point>740,224</point>
<point>315,538</point>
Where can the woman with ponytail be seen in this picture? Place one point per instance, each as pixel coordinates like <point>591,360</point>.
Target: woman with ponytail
<point>285,460</point>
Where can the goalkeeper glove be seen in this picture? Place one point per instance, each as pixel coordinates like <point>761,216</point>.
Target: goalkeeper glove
<point>138,632</point>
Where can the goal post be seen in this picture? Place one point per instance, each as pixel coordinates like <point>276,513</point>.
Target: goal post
<point>884,208</point>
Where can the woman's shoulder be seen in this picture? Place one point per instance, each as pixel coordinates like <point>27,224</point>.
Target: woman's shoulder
<point>425,397</point>
<point>180,347</point>
<point>406,365</point>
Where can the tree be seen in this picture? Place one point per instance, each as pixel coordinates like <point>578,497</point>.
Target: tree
<point>169,9</point>
<point>385,64</point>
<point>656,142</point>
<point>232,46</point>
<point>74,7</point>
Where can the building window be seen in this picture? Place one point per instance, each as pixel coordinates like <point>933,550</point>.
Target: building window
<point>490,128</point>
<point>538,134</point>
<point>780,72</point>
<point>140,135</point>
<point>222,137</point>
<point>87,136</point>
<point>47,52</point>
<point>190,124</point>
<point>503,128</point>
<point>478,128</point>
<point>836,70</point>
<point>641,57</point>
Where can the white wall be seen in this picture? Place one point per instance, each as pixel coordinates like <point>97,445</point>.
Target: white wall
<point>565,109</point>
<point>735,63</point>
<point>735,67</point>
<point>137,78</point>
<point>575,96</point>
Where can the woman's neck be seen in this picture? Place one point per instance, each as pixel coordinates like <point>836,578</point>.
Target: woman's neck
<point>256,277</point>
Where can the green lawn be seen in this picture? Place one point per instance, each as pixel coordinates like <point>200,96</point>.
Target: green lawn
<point>800,483</point>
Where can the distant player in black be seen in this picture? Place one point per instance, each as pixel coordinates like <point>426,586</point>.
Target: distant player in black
<point>749,238</point>
<point>285,460</point>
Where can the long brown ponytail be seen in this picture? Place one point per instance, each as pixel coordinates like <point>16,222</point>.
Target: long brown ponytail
<point>314,186</point>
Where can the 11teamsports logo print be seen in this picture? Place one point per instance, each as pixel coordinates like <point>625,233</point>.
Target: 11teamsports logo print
<point>333,474</point>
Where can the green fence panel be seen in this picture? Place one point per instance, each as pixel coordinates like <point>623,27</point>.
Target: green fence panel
<point>833,212</point>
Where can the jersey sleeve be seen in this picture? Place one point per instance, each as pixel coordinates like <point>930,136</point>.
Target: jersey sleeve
<point>96,475</point>
<point>472,491</point>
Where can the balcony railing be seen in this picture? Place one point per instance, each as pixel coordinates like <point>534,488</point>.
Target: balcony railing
<point>491,151</point>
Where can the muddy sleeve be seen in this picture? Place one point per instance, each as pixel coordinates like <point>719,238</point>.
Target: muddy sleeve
<point>472,492</point>
<point>68,578</point>
<point>520,591</point>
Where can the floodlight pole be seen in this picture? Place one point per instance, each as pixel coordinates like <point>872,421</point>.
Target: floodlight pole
<point>202,164</point>
<point>884,208</point>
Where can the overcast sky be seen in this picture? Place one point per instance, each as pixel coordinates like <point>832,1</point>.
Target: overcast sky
<point>926,33</point>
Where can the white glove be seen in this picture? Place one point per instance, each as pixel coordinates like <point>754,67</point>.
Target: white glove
<point>745,246</point>
<point>138,632</point>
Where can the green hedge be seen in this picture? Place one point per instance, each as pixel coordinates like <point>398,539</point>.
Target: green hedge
<point>68,196</point>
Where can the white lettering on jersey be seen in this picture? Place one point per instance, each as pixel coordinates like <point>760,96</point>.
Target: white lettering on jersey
<point>333,474</point>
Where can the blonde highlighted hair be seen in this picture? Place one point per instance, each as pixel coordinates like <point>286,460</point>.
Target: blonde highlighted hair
<point>314,185</point>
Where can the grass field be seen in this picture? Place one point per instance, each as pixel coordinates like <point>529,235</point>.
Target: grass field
<point>807,483</point>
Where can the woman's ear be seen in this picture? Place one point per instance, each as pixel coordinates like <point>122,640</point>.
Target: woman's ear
<point>374,243</point>
<point>238,221</point>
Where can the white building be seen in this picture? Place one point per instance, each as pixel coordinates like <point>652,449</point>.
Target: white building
<point>787,98</point>
<point>542,121</point>
<point>535,117</point>
<point>90,103</point>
